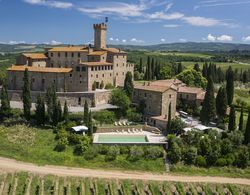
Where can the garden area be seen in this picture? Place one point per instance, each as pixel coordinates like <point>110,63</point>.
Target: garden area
<point>25,183</point>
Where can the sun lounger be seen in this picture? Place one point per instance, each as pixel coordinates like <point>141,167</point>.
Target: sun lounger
<point>129,131</point>
<point>116,124</point>
<point>124,123</point>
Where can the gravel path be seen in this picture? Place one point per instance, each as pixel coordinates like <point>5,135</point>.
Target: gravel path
<point>10,165</point>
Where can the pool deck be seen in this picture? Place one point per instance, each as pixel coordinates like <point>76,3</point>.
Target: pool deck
<point>152,138</point>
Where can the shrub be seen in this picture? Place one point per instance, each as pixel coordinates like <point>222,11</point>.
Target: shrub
<point>113,152</point>
<point>61,133</point>
<point>62,144</point>
<point>174,154</point>
<point>74,138</point>
<point>221,162</point>
<point>82,146</point>
<point>135,153</point>
<point>190,155</point>
<point>109,86</point>
<point>201,161</point>
<point>105,117</point>
<point>91,153</point>
<point>124,149</point>
<point>103,149</point>
<point>134,116</point>
<point>153,152</point>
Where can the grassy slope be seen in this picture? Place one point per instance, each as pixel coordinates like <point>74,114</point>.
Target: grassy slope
<point>37,146</point>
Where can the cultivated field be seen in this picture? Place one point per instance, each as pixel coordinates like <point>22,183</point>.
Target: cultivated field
<point>24,183</point>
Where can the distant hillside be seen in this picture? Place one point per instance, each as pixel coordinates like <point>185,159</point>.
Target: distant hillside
<point>184,47</point>
<point>190,47</point>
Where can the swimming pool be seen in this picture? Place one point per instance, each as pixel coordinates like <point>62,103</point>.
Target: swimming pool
<point>122,139</point>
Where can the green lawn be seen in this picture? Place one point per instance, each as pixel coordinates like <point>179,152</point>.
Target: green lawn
<point>184,54</point>
<point>37,145</point>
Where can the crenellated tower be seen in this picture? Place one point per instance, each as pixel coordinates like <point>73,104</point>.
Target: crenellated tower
<point>100,35</point>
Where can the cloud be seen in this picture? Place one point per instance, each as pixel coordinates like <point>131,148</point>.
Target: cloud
<point>201,21</point>
<point>53,42</point>
<point>211,37</point>
<point>168,6</point>
<point>183,40</point>
<point>246,39</point>
<point>123,9</point>
<point>171,25</point>
<point>117,40</point>
<point>52,4</point>
<point>111,39</point>
<point>216,3</point>
<point>164,16</point>
<point>225,38</point>
<point>163,40</point>
<point>136,40</point>
<point>124,40</point>
<point>222,38</point>
<point>16,42</point>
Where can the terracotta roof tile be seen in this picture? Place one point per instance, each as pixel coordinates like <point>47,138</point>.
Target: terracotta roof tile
<point>186,89</point>
<point>114,50</point>
<point>35,55</point>
<point>151,87</point>
<point>96,63</point>
<point>69,49</point>
<point>97,53</point>
<point>39,69</point>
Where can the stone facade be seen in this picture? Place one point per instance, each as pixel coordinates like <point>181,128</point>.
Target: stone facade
<point>72,68</point>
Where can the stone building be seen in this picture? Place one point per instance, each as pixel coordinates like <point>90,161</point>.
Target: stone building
<point>157,96</point>
<point>72,69</point>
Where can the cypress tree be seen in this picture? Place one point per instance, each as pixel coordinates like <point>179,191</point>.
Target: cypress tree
<point>221,102</point>
<point>151,69</point>
<point>86,113</point>
<point>180,67</point>
<point>50,94</point>
<point>59,107</point>
<point>26,95</point>
<point>197,67</point>
<point>230,85</point>
<point>90,125</point>
<point>140,66</point>
<point>247,130</point>
<point>128,85</point>
<point>55,110</point>
<point>65,111</point>
<point>241,119</point>
<point>208,108</point>
<point>232,124</point>
<point>5,103</point>
<point>204,70</point>
<point>40,111</point>
<point>169,118</point>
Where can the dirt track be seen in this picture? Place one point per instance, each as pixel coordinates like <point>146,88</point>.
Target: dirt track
<point>9,165</point>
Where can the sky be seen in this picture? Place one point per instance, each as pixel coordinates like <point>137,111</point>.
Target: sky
<point>138,22</point>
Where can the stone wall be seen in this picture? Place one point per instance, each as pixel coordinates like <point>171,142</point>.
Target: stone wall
<point>73,99</point>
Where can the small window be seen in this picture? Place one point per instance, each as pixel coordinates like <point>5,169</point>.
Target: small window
<point>66,54</point>
<point>110,74</point>
<point>79,55</point>
<point>80,75</point>
<point>54,80</point>
<point>51,55</point>
<point>58,54</point>
<point>123,73</point>
<point>169,95</point>
<point>80,81</point>
<point>83,68</point>
<point>43,81</point>
<point>117,74</point>
<point>72,55</point>
<point>96,76</point>
<point>145,95</point>
<point>103,57</point>
<point>102,75</point>
<point>92,68</point>
<point>77,68</point>
<point>70,75</point>
<point>33,80</point>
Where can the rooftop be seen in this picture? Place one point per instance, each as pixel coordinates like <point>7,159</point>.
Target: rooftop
<point>150,87</point>
<point>96,63</point>
<point>195,90</point>
<point>35,55</point>
<point>69,49</point>
<point>114,50</point>
<point>97,53</point>
<point>39,69</point>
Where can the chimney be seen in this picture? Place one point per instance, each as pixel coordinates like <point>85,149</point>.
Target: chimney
<point>100,36</point>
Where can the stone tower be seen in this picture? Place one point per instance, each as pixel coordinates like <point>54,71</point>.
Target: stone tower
<point>100,35</point>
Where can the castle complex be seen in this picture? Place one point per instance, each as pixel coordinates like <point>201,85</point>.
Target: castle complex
<point>74,70</point>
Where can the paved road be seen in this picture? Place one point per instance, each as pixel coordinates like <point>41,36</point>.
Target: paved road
<point>9,165</point>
